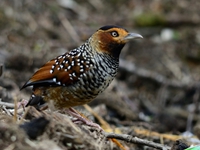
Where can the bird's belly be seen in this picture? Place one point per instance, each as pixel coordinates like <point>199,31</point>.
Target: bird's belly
<point>81,92</point>
<point>62,97</point>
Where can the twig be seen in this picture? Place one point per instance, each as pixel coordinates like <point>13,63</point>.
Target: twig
<point>7,111</point>
<point>136,140</point>
<point>10,105</point>
<point>23,116</point>
<point>15,109</point>
<point>104,124</point>
<point>149,133</point>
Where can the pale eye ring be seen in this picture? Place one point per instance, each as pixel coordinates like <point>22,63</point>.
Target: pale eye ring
<point>114,34</point>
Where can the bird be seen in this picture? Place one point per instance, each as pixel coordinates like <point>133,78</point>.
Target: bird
<point>78,76</point>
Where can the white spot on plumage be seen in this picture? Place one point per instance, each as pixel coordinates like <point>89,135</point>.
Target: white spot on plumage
<point>54,79</point>
<point>66,70</point>
<point>59,83</point>
<point>84,53</point>
<point>56,63</point>
<point>53,67</point>
<point>69,67</point>
<point>58,68</point>
<point>61,66</point>
<point>71,78</point>
<point>79,54</point>
<point>81,70</point>
<point>72,63</point>
<point>74,74</point>
<point>51,71</point>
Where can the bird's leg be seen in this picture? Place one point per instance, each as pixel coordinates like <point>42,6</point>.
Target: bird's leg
<point>22,104</point>
<point>81,119</point>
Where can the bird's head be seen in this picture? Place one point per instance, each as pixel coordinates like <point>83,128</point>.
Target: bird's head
<point>111,39</point>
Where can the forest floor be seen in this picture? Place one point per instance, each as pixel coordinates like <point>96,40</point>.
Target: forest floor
<point>152,104</point>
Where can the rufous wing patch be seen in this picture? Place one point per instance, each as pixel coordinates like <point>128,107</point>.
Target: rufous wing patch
<point>60,71</point>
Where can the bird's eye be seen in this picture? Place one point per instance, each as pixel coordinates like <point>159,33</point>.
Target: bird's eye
<point>114,34</point>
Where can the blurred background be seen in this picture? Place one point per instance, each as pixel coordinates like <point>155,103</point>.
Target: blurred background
<point>157,86</point>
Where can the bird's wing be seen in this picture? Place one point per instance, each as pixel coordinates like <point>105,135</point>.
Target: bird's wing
<point>61,71</point>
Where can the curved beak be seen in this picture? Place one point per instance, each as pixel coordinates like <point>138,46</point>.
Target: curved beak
<point>131,36</point>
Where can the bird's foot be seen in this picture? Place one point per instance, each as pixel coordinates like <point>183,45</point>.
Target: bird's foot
<point>22,104</point>
<point>81,120</point>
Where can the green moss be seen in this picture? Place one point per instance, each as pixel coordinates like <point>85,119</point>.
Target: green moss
<point>149,20</point>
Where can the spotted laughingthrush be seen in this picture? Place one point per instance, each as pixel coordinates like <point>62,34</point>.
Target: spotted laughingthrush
<point>77,77</point>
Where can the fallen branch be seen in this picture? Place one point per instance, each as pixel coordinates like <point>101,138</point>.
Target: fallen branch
<point>10,105</point>
<point>135,140</point>
<point>6,110</point>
